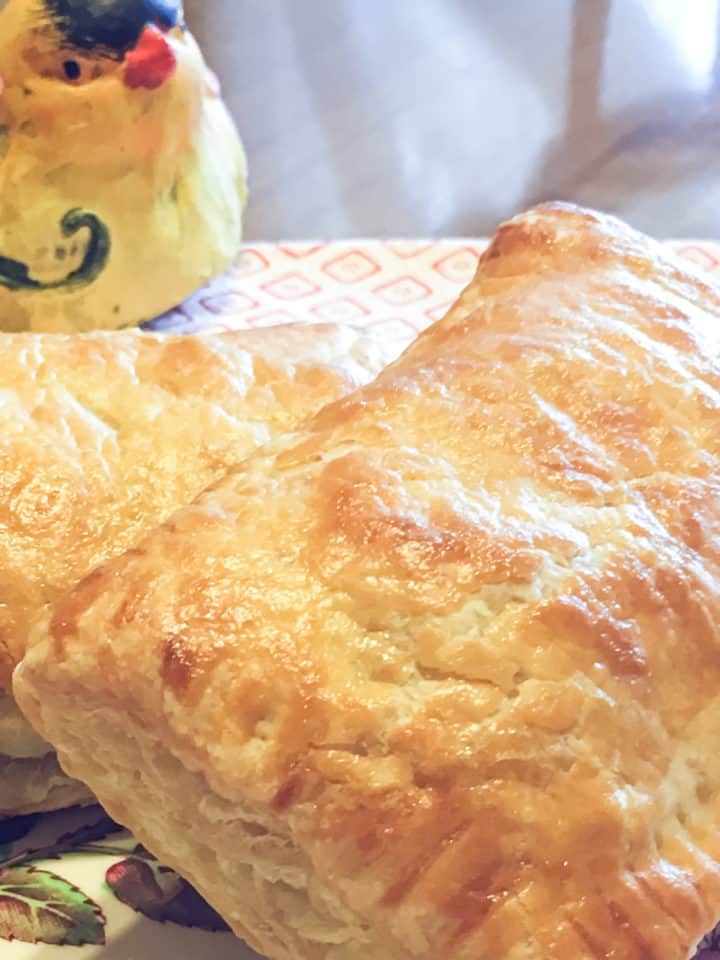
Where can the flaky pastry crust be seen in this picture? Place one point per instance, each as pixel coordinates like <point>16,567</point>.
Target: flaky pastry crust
<point>102,436</point>
<point>437,677</point>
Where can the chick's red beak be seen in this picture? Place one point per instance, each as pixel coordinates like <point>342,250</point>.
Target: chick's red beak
<point>151,62</point>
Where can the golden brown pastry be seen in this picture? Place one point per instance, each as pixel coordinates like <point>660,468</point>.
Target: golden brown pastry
<point>102,437</point>
<point>438,677</point>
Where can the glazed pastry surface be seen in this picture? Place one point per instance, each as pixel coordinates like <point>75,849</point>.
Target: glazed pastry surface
<point>437,676</point>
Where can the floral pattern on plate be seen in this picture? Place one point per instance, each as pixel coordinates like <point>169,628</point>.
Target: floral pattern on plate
<point>77,879</point>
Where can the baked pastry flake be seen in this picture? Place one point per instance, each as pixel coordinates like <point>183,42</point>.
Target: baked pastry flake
<point>102,436</point>
<point>437,678</point>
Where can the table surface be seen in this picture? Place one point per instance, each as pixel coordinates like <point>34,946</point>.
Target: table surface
<point>441,117</point>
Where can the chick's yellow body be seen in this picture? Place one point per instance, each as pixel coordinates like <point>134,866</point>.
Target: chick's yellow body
<point>117,200</point>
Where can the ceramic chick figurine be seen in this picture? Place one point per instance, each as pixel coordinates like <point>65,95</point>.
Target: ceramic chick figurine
<point>122,178</point>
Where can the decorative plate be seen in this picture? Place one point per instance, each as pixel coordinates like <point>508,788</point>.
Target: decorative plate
<point>74,885</point>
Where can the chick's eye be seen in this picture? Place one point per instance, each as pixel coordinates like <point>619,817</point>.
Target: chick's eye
<point>72,70</point>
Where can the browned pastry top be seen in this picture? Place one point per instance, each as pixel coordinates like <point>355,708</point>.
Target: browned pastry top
<point>102,436</point>
<point>458,641</point>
